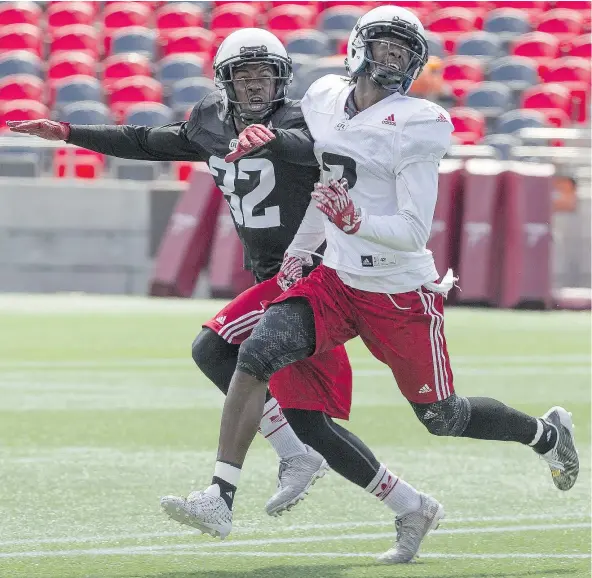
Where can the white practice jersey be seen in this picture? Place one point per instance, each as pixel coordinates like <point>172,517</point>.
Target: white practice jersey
<point>389,154</point>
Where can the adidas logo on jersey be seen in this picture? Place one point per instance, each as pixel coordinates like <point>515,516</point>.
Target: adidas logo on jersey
<point>390,119</point>
<point>425,389</point>
<point>221,319</point>
<point>441,118</point>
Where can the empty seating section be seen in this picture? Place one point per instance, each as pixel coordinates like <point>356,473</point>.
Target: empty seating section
<point>505,64</point>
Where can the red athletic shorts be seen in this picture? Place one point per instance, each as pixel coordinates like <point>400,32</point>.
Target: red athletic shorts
<point>403,330</point>
<point>321,383</point>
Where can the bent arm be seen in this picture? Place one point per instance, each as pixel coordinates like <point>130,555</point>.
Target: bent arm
<point>310,235</point>
<point>408,229</point>
<point>294,145</point>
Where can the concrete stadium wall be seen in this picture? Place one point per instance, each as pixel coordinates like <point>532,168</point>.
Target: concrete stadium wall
<point>90,236</point>
<point>101,236</point>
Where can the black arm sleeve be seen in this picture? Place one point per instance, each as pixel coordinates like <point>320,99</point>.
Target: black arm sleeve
<point>294,145</point>
<point>162,143</point>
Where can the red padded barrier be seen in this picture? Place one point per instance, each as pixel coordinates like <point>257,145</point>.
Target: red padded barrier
<point>185,246</point>
<point>227,275</point>
<point>480,232</point>
<point>526,269</point>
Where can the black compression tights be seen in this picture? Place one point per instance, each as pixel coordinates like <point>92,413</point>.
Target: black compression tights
<point>344,452</point>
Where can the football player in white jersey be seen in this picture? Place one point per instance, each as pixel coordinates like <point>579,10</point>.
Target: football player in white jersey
<point>379,152</point>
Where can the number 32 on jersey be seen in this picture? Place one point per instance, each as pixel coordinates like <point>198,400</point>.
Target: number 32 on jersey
<point>246,185</point>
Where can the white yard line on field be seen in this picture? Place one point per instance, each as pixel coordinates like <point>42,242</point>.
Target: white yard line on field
<point>180,362</point>
<point>467,556</point>
<point>272,541</point>
<point>293,528</point>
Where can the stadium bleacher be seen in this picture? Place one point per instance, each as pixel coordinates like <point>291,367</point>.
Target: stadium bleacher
<point>507,65</point>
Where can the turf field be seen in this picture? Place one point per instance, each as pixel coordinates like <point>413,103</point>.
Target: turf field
<point>102,412</point>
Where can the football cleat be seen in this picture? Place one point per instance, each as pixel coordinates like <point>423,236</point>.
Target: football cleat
<point>295,477</point>
<point>563,459</point>
<point>412,529</point>
<point>206,511</point>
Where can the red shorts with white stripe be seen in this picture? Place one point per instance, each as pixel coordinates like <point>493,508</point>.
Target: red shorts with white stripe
<point>320,383</point>
<point>404,330</point>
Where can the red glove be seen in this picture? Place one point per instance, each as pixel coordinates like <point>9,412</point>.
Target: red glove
<point>250,139</point>
<point>44,128</point>
<point>335,202</point>
<point>291,270</point>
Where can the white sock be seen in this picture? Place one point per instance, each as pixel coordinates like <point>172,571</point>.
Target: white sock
<point>278,432</point>
<point>228,473</point>
<point>397,494</point>
<point>539,432</point>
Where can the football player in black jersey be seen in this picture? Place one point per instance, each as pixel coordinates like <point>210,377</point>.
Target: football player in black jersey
<point>268,192</point>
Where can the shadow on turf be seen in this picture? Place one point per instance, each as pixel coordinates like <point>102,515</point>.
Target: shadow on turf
<point>335,571</point>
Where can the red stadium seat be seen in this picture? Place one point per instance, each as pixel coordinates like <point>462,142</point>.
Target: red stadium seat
<point>95,6</point>
<point>66,64</point>
<point>173,16</point>
<point>573,74</point>
<point>183,169</point>
<point>582,5</point>
<point>22,87</point>
<point>316,7</point>
<point>452,19</point>
<point>22,110</point>
<point>282,20</point>
<point>581,46</point>
<point>198,41</point>
<point>231,16</point>
<point>79,163</point>
<point>561,23</point>
<point>536,45</point>
<point>19,13</point>
<point>461,73</point>
<point>568,69</point>
<point>463,68</point>
<point>123,15</point>
<point>132,90</point>
<point>124,65</point>
<point>469,125</point>
<point>450,22</point>
<point>546,96</point>
<point>76,38</point>
<point>260,7</point>
<point>69,13</point>
<point>553,100</point>
<point>21,37</point>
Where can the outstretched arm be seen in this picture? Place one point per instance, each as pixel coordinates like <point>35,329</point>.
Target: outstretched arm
<point>162,143</point>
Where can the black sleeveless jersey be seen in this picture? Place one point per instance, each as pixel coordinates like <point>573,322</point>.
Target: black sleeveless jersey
<point>268,192</point>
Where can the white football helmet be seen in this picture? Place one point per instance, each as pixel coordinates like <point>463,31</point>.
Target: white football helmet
<point>397,26</point>
<point>246,46</point>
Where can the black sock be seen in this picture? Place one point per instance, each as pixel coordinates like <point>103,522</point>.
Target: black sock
<point>492,420</point>
<point>227,491</point>
<point>547,440</point>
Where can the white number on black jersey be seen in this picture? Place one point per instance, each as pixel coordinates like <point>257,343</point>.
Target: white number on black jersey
<point>232,179</point>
